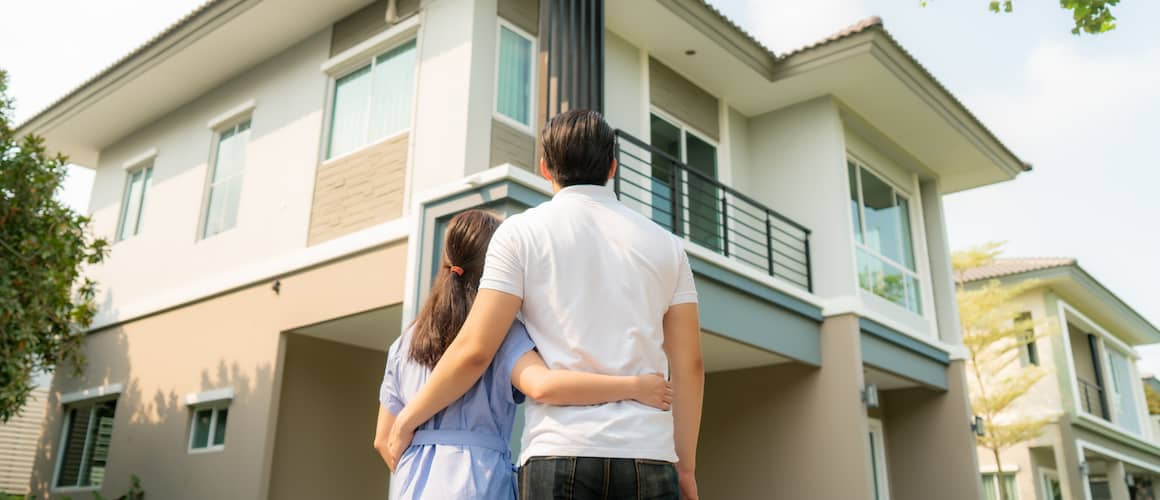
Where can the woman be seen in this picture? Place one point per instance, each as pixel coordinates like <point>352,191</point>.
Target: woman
<point>462,452</point>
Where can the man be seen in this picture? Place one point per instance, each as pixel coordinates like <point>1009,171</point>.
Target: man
<point>601,289</point>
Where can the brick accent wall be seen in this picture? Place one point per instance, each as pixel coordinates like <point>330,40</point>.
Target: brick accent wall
<point>359,190</point>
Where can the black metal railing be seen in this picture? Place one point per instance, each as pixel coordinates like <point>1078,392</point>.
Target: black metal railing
<point>691,203</point>
<point>1093,399</point>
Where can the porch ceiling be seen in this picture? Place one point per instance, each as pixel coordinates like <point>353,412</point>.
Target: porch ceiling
<point>723,354</point>
<point>374,329</point>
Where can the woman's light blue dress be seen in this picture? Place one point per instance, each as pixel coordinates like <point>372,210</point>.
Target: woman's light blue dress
<point>462,452</point>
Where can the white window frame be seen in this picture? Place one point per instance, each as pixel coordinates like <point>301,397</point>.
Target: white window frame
<point>215,408</point>
<point>92,397</point>
<point>999,481</point>
<point>686,130</point>
<point>1046,475</point>
<point>532,89</point>
<point>859,166</point>
<point>146,168</point>
<point>219,126</point>
<point>355,59</point>
<point>1105,341</point>
<point>881,474</point>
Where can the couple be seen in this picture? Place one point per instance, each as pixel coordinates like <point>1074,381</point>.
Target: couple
<point>607,302</point>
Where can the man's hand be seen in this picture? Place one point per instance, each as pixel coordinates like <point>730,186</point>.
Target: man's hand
<point>398,441</point>
<point>688,482</point>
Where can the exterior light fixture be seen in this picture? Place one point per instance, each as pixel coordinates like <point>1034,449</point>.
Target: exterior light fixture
<point>979,427</point>
<point>1083,468</point>
<point>870,395</point>
<point>690,52</point>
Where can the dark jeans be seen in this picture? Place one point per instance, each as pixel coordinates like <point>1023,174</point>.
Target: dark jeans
<point>568,478</point>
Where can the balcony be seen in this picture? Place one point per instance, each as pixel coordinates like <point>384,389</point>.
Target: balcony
<point>694,205</point>
<point>1092,399</point>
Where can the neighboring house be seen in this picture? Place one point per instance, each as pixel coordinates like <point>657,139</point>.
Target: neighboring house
<point>276,174</point>
<point>1150,381</point>
<point>1101,445</point>
<point>19,438</point>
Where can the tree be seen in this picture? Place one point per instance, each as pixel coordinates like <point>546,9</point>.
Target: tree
<point>1091,16</point>
<point>1153,398</point>
<point>994,339</point>
<point>45,303</point>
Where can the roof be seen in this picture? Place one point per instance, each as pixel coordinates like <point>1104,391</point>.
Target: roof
<point>156,39</point>
<point>1007,267</point>
<point>198,15</point>
<point>873,23</point>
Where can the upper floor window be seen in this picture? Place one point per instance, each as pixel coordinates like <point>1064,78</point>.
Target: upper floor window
<point>993,482</point>
<point>133,203</point>
<point>208,429</point>
<point>1027,337</point>
<point>373,101</point>
<point>513,99</point>
<point>84,444</point>
<point>882,235</point>
<point>225,182</point>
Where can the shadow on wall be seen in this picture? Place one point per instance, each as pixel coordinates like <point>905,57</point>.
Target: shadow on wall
<point>151,425</point>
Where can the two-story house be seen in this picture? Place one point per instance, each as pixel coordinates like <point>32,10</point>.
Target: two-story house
<point>276,175</point>
<point>1101,444</point>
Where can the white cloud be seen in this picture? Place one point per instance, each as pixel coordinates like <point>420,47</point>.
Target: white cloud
<point>1067,92</point>
<point>787,25</point>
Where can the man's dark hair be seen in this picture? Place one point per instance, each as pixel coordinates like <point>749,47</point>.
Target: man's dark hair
<point>578,147</point>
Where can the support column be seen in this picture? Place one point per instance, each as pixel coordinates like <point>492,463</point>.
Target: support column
<point>931,451</point>
<point>1118,481</point>
<point>789,430</point>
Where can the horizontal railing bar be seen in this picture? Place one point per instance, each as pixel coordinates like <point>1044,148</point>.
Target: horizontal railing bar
<point>680,165</point>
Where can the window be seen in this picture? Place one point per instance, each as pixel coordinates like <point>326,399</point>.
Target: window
<point>1051,487</point>
<point>133,204</point>
<point>878,461</point>
<point>1027,337</point>
<point>85,440</point>
<point>372,102</point>
<point>1122,389</point>
<point>991,489</point>
<point>882,236</point>
<point>225,184</point>
<point>207,430</point>
<point>696,200</point>
<point>513,85</point>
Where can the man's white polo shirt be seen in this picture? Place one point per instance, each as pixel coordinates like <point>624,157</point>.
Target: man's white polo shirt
<point>596,279</point>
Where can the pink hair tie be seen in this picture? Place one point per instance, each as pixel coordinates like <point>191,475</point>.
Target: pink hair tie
<point>457,270</point>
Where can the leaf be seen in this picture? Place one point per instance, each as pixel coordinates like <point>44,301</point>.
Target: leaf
<point>45,300</point>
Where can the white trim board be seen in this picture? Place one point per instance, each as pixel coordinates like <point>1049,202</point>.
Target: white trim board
<point>347,59</point>
<point>228,117</point>
<point>210,396</point>
<point>92,393</point>
<point>140,160</point>
<point>265,269</point>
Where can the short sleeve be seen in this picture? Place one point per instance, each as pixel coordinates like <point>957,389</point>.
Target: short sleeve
<point>389,395</point>
<point>686,290</point>
<point>503,269</point>
<point>515,345</point>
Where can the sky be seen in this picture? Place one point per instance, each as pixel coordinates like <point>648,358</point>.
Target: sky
<point>1081,109</point>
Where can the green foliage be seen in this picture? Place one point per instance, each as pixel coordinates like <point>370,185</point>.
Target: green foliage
<point>994,340</point>
<point>1153,398</point>
<point>45,303</point>
<point>1091,16</point>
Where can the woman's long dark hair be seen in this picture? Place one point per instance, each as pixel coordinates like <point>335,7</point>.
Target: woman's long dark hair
<point>450,299</point>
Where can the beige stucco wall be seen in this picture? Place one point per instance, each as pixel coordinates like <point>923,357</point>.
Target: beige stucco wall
<point>929,443</point>
<point>788,431</point>
<point>231,340</point>
<point>326,419</point>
